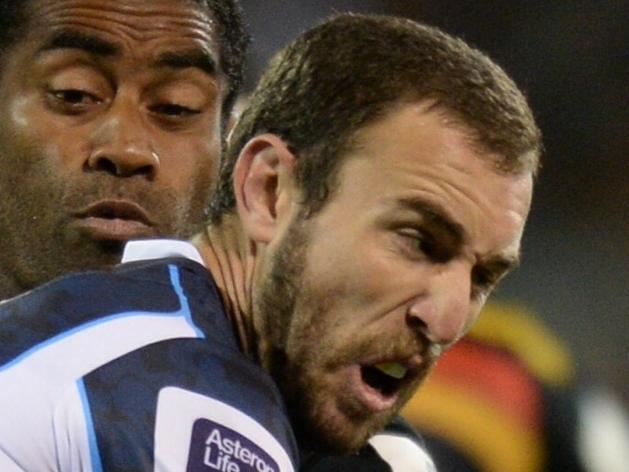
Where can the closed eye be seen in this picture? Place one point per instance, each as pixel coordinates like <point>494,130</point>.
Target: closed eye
<point>174,110</point>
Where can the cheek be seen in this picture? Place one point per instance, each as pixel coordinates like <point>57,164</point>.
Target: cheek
<point>475,310</point>
<point>21,114</point>
<point>29,130</point>
<point>362,272</point>
<point>27,116</point>
<point>351,298</point>
<point>190,165</point>
<point>206,160</point>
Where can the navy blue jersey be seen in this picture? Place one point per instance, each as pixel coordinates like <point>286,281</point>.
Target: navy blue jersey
<point>135,369</point>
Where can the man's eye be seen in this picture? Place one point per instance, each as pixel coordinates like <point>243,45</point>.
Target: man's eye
<point>425,244</point>
<point>483,281</point>
<point>172,110</point>
<point>72,101</point>
<point>74,97</point>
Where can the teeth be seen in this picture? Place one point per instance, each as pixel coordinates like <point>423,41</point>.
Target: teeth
<point>393,369</point>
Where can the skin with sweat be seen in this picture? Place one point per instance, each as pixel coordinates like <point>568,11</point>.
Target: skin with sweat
<point>111,131</point>
<point>352,306</point>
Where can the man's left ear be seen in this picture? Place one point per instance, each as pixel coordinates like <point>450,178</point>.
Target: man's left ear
<point>263,185</point>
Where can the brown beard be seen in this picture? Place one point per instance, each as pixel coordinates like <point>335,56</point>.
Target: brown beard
<point>300,373</point>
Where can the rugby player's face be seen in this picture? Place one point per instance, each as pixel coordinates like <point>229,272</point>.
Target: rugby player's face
<point>368,292</point>
<point>111,131</point>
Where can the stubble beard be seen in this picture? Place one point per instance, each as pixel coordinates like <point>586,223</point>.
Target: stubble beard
<point>289,306</point>
<point>38,244</point>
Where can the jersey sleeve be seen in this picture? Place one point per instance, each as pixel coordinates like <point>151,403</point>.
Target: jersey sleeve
<point>185,405</point>
<point>135,369</point>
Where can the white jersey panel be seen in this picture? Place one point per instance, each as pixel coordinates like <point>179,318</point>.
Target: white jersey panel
<point>74,434</point>
<point>179,429</point>
<point>44,377</point>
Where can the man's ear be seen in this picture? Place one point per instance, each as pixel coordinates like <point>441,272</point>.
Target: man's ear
<point>263,185</point>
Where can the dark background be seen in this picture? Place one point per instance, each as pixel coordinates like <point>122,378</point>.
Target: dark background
<point>572,60</point>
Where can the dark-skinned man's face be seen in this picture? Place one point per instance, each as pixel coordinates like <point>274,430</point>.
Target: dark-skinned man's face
<point>111,131</point>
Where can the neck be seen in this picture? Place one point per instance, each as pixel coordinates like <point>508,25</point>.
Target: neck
<point>231,260</point>
<point>8,286</point>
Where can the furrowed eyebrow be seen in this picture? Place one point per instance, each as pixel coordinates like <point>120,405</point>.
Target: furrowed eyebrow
<point>184,59</point>
<point>75,40</point>
<point>438,217</point>
<point>497,264</point>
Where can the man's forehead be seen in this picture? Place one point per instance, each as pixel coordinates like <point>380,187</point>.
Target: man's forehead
<point>161,31</point>
<point>134,19</point>
<point>423,163</point>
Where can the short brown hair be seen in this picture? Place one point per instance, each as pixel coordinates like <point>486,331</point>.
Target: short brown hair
<point>351,70</point>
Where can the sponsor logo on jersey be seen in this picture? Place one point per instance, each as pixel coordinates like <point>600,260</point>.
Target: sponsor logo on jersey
<point>217,447</point>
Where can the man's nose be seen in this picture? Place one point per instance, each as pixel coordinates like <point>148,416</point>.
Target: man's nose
<point>444,309</point>
<point>121,145</point>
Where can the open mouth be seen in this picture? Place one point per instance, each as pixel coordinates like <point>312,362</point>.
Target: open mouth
<point>385,377</point>
<point>380,384</point>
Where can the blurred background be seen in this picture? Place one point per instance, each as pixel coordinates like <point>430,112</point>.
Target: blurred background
<point>572,60</point>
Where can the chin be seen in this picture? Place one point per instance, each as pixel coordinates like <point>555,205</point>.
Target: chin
<point>325,429</point>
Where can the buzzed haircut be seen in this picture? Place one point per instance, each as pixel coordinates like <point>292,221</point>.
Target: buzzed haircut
<point>233,38</point>
<point>353,69</point>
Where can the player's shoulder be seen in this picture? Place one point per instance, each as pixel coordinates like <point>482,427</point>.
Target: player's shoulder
<point>163,379</point>
<point>172,404</point>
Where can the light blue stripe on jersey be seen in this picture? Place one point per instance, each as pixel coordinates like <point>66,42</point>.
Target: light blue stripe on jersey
<point>184,311</point>
<point>183,299</point>
<point>97,465</point>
